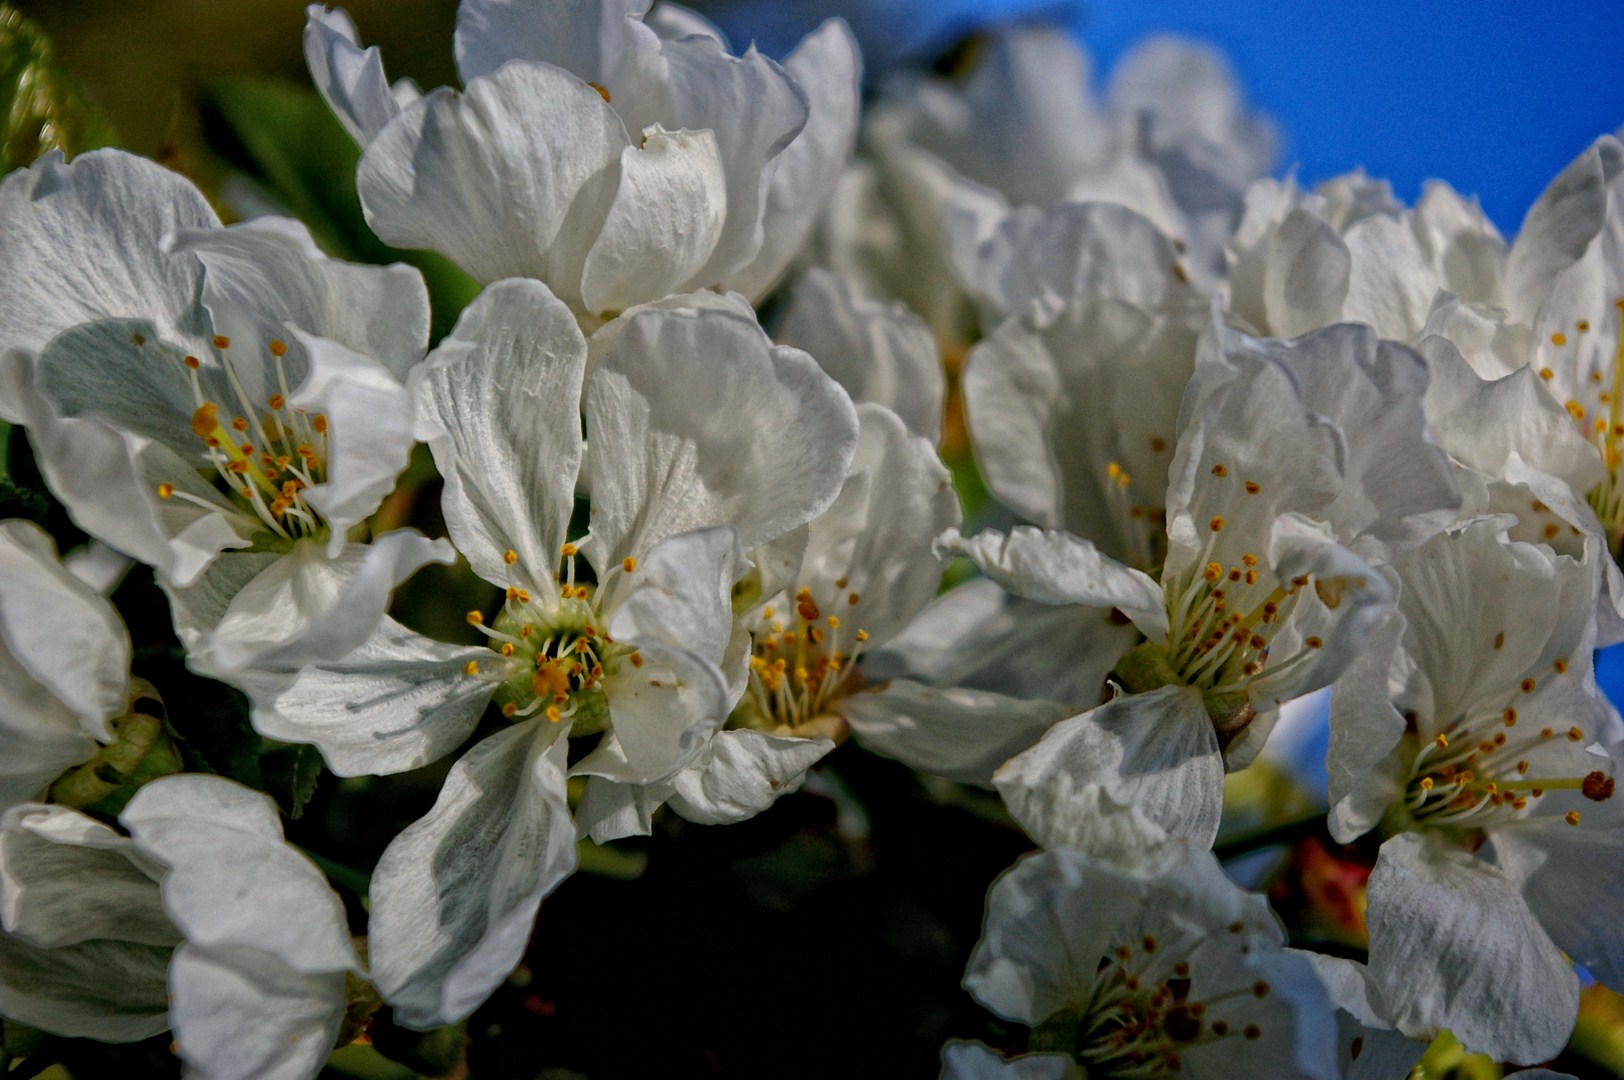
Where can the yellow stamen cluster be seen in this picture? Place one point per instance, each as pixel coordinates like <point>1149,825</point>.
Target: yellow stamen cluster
<point>1476,770</point>
<point>1591,376</point>
<point>268,456</point>
<point>1143,526</point>
<point>798,669</point>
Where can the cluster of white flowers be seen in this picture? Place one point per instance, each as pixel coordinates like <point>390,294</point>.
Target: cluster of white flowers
<point>1252,441</point>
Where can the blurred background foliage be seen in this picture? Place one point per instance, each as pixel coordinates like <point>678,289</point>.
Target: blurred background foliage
<point>826,937</point>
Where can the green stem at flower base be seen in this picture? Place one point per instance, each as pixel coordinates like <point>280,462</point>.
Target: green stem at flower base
<point>1271,836</point>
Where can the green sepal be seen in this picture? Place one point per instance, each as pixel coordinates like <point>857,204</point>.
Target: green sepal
<point>141,751</point>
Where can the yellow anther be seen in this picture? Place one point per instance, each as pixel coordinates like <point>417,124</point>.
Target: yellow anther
<point>1213,572</point>
<point>1528,686</point>
<point>553,715</point>
<point>1510,716</point>
<point>278,347</point>
<point>1220,471</point>
<point>1441,741</point>
<point>569,551</point>
<point>509,709</point>
<point>276,401</point>
<point>507,648</point>
<point>1426,783</point>
<point>319,422</point>
<point>166,491</point>
<point>1216,524</point>
<point>636,659</point>
<point>603,91</point>
<point>205,419</point>
<point>1560,665</point>
<point>834,622</point>
<point>1547,374</point>
<point>475,618</point>
<point>1559,338</point>
<point>1571,817</point>
<point>240,424</point>
<point>1253,487</point>
<point>862,635</point>
<point>1575,735</point>
<point>510,556</point>
<point>193,362</point>
<point>852,599</point>
<point>471,668</point>
<point>1575,410</point>
<point>628,564</point>
<point>222,342</point>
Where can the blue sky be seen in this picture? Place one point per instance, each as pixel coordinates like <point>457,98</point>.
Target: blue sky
<point>1494,96</point>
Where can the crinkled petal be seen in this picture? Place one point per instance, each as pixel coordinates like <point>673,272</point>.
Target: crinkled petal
<point>265,277</point>
<point>880,352</point>
<point>369,437</point>
<point>397,702</point>
<point>350,78</point>
<point>1453,945</point>
<point>746,772</point>
<point>665,221</point>
<point>503,393</point>
<point>696,420</point>
<point>1390,284</point>
<point>509,179</point>
<point>956,732</point>
<point>826,67</point>
<point>585,37</point>
<point>81,244</point>
<point>1560,226</point>
<point>1055,567</point>
<point>66,878</point>
<point>1307,280</point>
<point>242,1014</point>
<point>63,633</point>
<point>231,878</point>
<point>1156,751</point>
<point>661,714</point>
<point>305,607</point>
<point>454,896</point>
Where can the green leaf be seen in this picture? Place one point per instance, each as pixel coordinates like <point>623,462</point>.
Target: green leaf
<point>290,772</point>
<point>284,138</point>
<point>41,107</point>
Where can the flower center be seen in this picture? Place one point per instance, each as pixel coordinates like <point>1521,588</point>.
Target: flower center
<point>1138,1017</point>
<point>561,653</point>
<point>1590,377</point>
<point>1485,769</point>
<point>267,456</point>
<point>799,667</point>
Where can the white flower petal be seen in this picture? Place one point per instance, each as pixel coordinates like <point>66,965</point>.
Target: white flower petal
<point>743,773</point>
<point>661,714</point>
<point>1390,284</point>
<point>955,732</point>
<point>503,392</point>
<point>305,607</point>
<point>509,179</point>
<point>585,37</point>
<point>1155,751</point>
<point>973,1061</point>
<point>680,594</point>
<point>241,1014</point>
<point>67,879</point>
<point>1307,278</point>
<point>231,878</point>
<point>454,896</point>
<point>664,223</point>
<point>369,439</point>
<point>1560,226</point>
<point>63,633</point>
<point>826,67</point>
<point>397,702</point>
<point>754,107</point>
<point>81,243</point>
<point>880,352</point>
<point>350,79</point>
<point>979,637</point>
<point>1058,568</point>
<point>696,420</point>
<point>113,991</point>
<point>265,277</point>
<point>1453,945</point>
